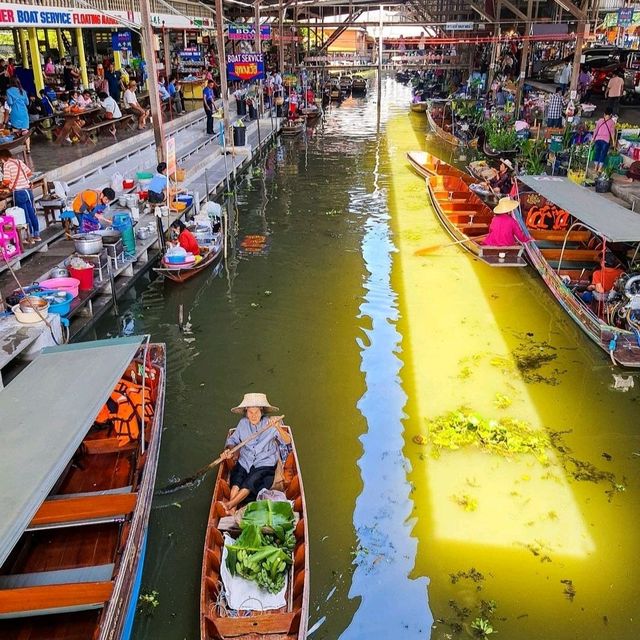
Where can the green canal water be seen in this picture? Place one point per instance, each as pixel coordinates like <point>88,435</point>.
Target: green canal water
<point>403,544</point>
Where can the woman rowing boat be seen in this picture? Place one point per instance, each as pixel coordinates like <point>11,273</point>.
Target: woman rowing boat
<point>255,468</point>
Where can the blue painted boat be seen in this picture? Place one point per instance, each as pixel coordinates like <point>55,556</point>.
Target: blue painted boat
<point>76,488</point>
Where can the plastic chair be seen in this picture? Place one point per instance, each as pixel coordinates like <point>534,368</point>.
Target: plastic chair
<point>9,238</point>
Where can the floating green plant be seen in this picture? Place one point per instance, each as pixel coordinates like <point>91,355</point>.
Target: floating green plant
<point>148,602</point>
<point>501,401</point>
<point>465,501</point>
<point>507,436</point>
<point>569,589</point>
<point>482,628</point>
<point>472,574</point>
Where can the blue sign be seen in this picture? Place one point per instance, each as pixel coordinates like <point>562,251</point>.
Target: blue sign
<point>245,66</point>
<point>625,17</point>
<point>121,41</point>
<point>248,32</point>
<point>192,54</point>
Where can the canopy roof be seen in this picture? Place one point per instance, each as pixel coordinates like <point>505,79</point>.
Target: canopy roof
<point>45,412</point>
<point>604,217</point>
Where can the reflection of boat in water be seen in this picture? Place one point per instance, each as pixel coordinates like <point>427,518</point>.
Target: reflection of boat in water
<point>466,218</point>
<point>419,107</point>
<point>255,244</point>
<point>76,492</point>
<point>288,622</point>
<point>574,232</point>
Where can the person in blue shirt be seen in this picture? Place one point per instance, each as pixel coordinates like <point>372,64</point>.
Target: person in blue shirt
<point>174,92</point>
<point>208,101</point>
<point>165,97</point>
<point>45,103</point>
<point>158,185</point>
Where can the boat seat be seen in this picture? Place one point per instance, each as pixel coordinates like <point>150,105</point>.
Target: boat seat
<point>108,445</point>
<point>263,623</point>
<point>553,235</point>
<point>53,598</point>
<point>106,492</point>
<point>572,255</point>
<point>92,509</point>
<point>98,573</point>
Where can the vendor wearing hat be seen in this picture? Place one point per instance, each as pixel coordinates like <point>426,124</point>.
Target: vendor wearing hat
<point>503,181</point>
<point>504,231</point>
<point>255,468</point>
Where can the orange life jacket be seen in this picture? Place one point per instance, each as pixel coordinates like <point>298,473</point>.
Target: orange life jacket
<point>536,219</point>
<point>134,394</point>
<point>119,413</point>
<point>561,220</point>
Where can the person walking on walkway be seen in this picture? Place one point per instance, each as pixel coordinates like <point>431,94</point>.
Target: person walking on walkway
<point>208,102</point>
<point>16,176</point>
<point>603,136</point>
<point>18,103</point>
<point>614,91</point>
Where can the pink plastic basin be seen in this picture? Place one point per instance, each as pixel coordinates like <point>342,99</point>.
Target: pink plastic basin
<point>63,284</point>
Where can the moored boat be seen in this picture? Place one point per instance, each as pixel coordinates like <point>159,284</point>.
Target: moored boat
<point>359,85</point>
<point>288,622</point>
<point>575,232</point>
<point>210,239</point>
<point>311,113</point>
<point>494,153</point>
<point>76,488</point>
<point>442,127</point>
<point>427,165</point>
<point>467,218</point>
<point>419,107</point>
<point>292,127</point>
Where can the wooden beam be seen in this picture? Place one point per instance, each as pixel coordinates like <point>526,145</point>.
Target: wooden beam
<point>512,7</point>
<point>567,5</point>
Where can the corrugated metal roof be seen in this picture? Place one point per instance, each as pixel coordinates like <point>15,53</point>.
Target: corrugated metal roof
<point>45,412</point>
<point>604,217</point>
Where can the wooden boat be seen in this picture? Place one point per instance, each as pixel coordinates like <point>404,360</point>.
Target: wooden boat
<point>76,488</point>
<point>427,165</point>
<point>345,83</point>
<point>466,217</point>
<point>292,127</point>
<point>419,107</point>
<point>289,623</point>
<point>439,125</point>
<point>311,113</point>
<point>211,246</point>
<point>572,228</point>
<point>359,85</point>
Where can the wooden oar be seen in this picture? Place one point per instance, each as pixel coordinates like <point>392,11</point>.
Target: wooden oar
<point>178,484</point>
<point>436,247</point>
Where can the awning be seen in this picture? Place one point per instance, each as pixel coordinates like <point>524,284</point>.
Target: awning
<point>45,412</point>
<point>604,217</point>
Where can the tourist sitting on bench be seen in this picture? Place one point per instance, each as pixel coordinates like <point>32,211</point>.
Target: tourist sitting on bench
<point>603,280</point>
<point>131,103</point>
<point>88,205</point>
<point>111,110</point>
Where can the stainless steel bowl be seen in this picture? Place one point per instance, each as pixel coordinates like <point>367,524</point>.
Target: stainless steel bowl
<point>31,303</point>
<point>59,272</point>
<point>88,243</point>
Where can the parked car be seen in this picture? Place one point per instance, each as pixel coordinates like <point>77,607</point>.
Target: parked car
<point>632,76</point>
<point>594,58</point>
<point>601,77</point>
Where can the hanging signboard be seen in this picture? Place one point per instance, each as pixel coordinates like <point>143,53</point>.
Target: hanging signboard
<point>625,16</point>
<point>248,32</point>
<point>245,66</point>
<point>458,26</point>
<point>191,54</point>
<point>25,15</point>
<point>121,41</point>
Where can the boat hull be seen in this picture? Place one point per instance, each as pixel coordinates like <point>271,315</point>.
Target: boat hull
<point>418,107</point>
<point>182,274</point>
<point>427,165</point>
<point>288,624</point>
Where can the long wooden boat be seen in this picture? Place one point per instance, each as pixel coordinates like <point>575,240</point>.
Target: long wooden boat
<point>466,218</point>
<point>435,115</point>
<point>359,85</point>
<point>210,250</point>
<point>427,165</point>
<point>419,107</point>
<point>292,128</point>
<point>572,228</point>
<point>288,623</point>
<point>76,488</point>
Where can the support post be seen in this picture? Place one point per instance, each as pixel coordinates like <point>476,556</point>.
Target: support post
<point>258,45</point>
<point>117,60</point>
<point>222,63</point>
<point>82,60</point>
<point>575,72</point>
<point>495,45</point>
<point>60,41</point>
<point>38,78</point>
<point>24,48</point>
<point>281,36</point>
<point>167,53</point>
<point>154,97</point>
<point>524,60</point>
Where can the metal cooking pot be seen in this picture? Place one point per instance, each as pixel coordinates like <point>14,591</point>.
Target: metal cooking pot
<point>88,243</point>
<point>58,272</point>
<point>27,304</point>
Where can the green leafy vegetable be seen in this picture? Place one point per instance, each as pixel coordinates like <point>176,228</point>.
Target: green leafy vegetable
<point>276,516</point>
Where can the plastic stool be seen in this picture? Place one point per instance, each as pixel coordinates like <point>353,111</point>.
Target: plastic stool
<point>9,238</point>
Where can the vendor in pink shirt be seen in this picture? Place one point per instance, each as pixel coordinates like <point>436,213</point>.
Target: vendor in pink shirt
<point>504,231</point>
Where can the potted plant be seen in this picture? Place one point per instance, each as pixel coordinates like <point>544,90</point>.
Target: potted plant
<point>603,181</point>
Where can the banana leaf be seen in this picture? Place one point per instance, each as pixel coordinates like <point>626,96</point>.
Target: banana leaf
<point>277,516</point>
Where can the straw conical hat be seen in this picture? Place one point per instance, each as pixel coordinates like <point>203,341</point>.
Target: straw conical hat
<point>255,400</point>
<point>506,205</point>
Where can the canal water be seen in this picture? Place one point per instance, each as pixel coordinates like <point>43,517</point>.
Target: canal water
<point>361,344</point>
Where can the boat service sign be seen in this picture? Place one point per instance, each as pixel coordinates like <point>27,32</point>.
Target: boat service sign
<point>245,66</point>
<point>248,32</point>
